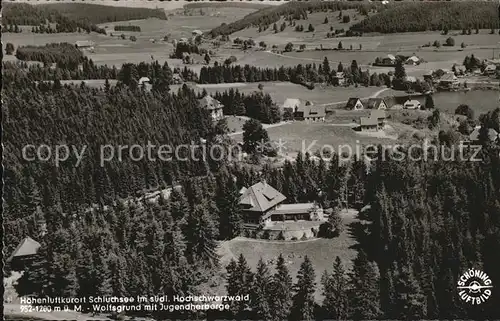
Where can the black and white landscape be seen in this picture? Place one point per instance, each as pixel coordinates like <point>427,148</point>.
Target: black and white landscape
<point>248,160</point>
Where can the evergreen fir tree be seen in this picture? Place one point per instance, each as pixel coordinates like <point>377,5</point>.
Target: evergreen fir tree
<point>303,300</point>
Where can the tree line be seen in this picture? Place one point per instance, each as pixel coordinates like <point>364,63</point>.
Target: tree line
<point>65,55</point>
<point>423,16</point>
<point>76,13</point>
<point>291,10</point>
<point>300,74</point>
<point>127,28</point>
<point>256,105</point>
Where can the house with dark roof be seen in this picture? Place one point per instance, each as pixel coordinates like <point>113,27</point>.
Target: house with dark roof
<point>261,204</point>
<point>85,44</point>
<point>376,103</point>
<point>213,106</point>
<point>310,113</point>
<point>448,82</point>
<point>354,104</point>
<point>24,254</point>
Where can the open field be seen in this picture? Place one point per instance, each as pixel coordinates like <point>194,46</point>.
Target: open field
<point>166,5</point>
<point>311,137</point>
<point>322,252</point>
<point>290,35</point>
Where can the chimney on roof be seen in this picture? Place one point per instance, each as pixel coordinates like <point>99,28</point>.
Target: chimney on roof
<point>264,182</point>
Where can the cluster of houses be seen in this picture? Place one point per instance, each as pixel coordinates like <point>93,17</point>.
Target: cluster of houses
<point>390,60</point>
<point>306,111</point>
<point>377,118</point>
<point>355,103</point>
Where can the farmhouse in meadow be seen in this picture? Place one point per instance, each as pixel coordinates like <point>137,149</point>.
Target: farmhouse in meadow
<point>213,106</point>
<point>261,204</point>
<point>376,103</point>
<point>448,82</point>
<point>354,104</point>
<point>85,45</point>
<point>309,113</point>
<point>24,254</point>
<point>374,122</point>
<point>413,60</point>
<point>490,70</point>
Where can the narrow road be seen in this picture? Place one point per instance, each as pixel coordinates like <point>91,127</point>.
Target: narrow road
<point>374,95</point>
<point>307,59</point>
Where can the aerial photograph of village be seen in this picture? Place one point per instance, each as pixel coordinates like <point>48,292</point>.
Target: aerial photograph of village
<point>251,160</point>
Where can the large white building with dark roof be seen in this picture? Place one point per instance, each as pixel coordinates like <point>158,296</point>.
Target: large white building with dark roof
<point>263,204</point>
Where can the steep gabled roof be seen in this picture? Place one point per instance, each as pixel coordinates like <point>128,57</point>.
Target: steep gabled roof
<point>352,102</point>
<point>374,103</point>
<point>448,77</point>
<point>260,197</point>
<point>292,103</point>
<point>312,111</point>
<point>26,247</point>
<point>210,103</point>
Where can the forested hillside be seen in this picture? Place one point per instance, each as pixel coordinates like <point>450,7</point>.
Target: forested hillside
<point>430,220</point>
<point>422,16</point>
<point>71,17</point>
<point>291,10</point>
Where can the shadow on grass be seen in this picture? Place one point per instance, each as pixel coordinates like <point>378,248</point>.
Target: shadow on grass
<point>358,230</point>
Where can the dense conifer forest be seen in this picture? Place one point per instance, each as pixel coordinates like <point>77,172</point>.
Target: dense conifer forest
<point>423,221</point>
<point>429,220</point>
<point>423,16</point>
<point>293,10</point>
<point>73,13</point>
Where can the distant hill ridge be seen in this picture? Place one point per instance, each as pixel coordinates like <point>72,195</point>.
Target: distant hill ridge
<point>33,15</point>
<point>423,16</point>
<point>293,9</point>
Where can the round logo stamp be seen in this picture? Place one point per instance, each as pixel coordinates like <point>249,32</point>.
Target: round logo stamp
<point>474,287</point>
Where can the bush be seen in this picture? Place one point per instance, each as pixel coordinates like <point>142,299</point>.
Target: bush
<point>304,237</point>
<point>281,236</point>
<point>266,235</point>
<point>450,42</point>
<point>465,110</point>
<point>294,239</point>
<point>9,49</point>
